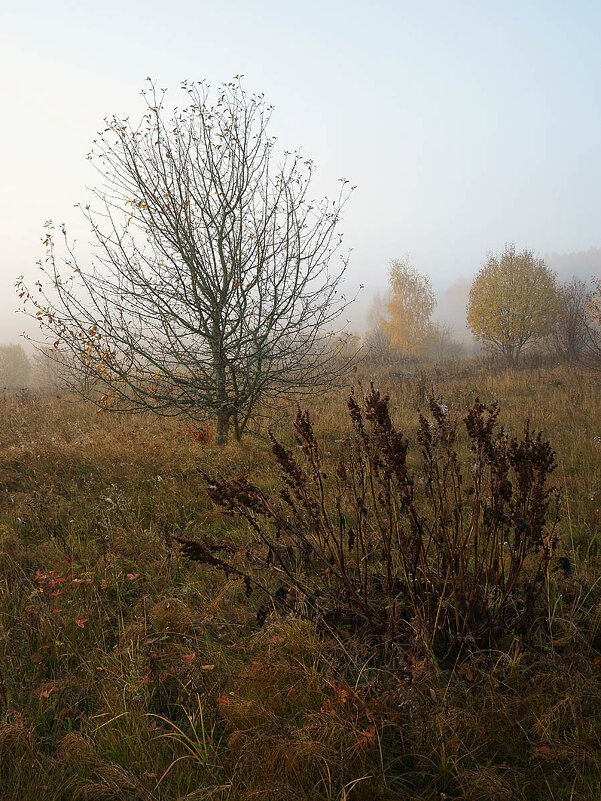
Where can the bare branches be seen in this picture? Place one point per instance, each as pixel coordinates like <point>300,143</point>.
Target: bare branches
<point>572,332</point>
<point>210,288</point>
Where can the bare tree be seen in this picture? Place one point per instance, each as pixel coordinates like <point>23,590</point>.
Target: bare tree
<point>442,344</point>
<point>15,367</point>
<point>590,355</point>
<point>571,329</point>
<point>210,289</point>
<point>378,346</point>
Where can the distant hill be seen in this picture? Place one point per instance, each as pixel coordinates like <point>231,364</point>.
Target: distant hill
<point>581,264</point>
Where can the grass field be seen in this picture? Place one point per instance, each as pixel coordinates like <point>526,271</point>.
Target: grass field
<point>129,672</point>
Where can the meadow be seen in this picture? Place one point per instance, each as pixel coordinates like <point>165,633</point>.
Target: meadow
<point>128,671</point>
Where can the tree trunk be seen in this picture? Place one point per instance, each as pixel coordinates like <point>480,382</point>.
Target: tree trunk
<point>511,353</point>
<point>223,412</point>
<point>237,428</point>
<point>223,426</point>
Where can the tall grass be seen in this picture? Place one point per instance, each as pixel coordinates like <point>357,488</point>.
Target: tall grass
<point>110,640</point>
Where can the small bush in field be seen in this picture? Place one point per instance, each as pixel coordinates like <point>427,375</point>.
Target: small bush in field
<point>451,554</point>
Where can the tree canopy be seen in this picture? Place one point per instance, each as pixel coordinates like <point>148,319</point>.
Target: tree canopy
<point>512,301</point>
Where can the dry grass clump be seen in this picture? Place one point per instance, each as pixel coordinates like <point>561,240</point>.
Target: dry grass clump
<point>77,749</point>
<point>113,782</point>
<point>487,784</point>
<point>15,737</point>
<point>172,615</point>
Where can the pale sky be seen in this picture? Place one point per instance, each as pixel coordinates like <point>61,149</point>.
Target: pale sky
<point>463,124</point>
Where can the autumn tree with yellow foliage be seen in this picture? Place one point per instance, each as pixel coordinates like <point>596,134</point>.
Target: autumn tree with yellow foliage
<point>512,302</point>
<point>409,309</point>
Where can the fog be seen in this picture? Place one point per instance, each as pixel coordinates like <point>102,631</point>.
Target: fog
<point>464,126</point>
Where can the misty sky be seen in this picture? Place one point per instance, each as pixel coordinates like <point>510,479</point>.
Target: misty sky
<point>463,124</point>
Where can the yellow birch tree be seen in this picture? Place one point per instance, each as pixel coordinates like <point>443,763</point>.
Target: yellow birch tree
<point>410,308</point>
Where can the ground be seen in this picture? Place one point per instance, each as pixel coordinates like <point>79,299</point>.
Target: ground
<point>128,672</point>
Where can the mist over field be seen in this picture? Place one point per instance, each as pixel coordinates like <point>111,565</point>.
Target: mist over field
<point>463,127</point>
<point>300,401</point>
<point>451,299</point>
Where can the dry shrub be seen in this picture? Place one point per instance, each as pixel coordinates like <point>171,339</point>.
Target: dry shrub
<point>271,789</point>
<point>134,632</point>
<point>128,545</point>
<point>451,555</point>
<point>204,793</point>
<point>246,713</point>
<point>280,765</point>
<point>46,552</point>
<point>13,553</point>
<point>31,617</point>
<point>558,716</point>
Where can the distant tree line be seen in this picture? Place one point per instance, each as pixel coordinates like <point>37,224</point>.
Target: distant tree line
<point>515,302</point>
